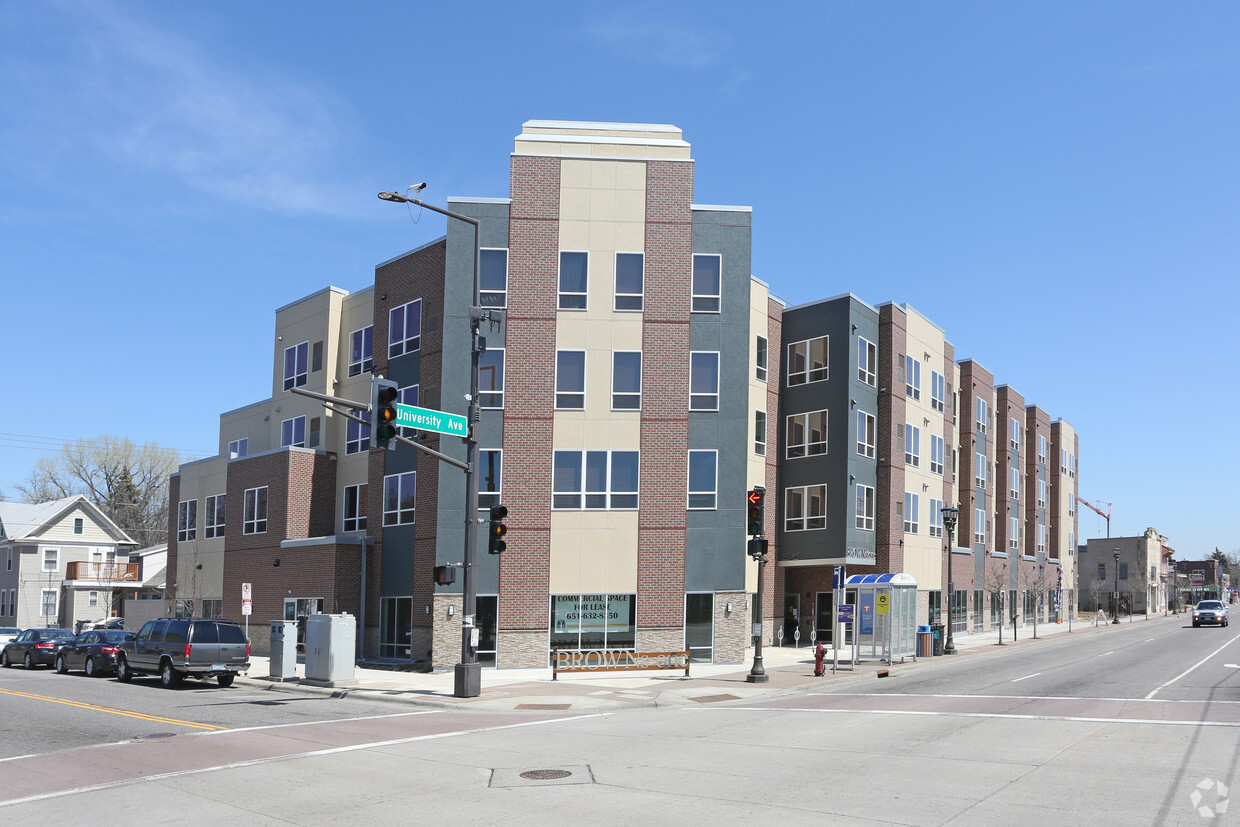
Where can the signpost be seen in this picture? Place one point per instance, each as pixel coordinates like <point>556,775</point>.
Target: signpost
<point>427,419</point>
<point>247,605</point>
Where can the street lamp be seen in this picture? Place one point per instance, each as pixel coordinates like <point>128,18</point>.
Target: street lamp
<point>468,676</point>
<point>950,515</point>
<point>1115,596</point>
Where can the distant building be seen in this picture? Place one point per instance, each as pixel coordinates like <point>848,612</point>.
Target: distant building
<point>61,562</point>
<point>1141,581</point>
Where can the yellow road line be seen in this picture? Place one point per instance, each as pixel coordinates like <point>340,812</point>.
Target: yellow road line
<point>140,715</point>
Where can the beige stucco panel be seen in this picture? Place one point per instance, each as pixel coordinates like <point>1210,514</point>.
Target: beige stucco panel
<point>593,551</point>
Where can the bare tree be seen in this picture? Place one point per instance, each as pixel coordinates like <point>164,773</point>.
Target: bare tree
<point>1140,579</point>
<point>129,482</point>
<point>996,582</point>
<point>1097,588</point>
<point>1032,581</point>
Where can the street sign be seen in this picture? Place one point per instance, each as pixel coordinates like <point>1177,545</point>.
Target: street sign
<point>247,598</point>
<point>884,606</point>
<point>838,575</point>
<point>426,419</point>
<point>846,613</point>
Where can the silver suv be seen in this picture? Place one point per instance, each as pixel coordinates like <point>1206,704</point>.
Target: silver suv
<point>1210,611</point>
<point>178,648</point>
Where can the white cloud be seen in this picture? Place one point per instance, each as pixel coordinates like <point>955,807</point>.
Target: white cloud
<point>150,100</point>
<point>646,36</point>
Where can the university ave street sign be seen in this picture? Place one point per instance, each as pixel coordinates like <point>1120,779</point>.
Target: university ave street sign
<point>425,419</point>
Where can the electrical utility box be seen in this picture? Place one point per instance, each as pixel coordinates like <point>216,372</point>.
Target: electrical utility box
<point>284,650</point>
<point>330,649</point>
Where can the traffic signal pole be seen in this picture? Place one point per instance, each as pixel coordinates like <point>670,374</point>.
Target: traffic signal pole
<point>755,518</point>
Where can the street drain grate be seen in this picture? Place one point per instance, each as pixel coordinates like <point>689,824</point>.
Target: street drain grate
<point>545,775</point>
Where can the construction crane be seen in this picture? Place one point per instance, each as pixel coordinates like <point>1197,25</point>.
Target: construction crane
<point>1106,515</point>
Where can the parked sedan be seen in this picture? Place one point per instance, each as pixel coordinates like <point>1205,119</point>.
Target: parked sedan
<point>93,652</point>
<point>1210,611</point>
<point>8,633</point>
<point>34,647</point>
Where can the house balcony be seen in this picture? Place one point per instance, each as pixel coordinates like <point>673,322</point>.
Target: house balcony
<point>103,572</point>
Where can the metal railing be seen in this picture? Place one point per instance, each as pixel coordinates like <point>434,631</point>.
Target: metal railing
<point>79,570</point>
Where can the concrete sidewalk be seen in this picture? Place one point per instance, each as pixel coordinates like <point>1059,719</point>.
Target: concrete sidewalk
<point>790,671</point>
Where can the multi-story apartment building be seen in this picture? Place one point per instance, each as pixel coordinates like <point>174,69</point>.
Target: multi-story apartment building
<point>640,381</point>
<point>624,399</point>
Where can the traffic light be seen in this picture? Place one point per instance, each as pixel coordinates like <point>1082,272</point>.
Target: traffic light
<point>497,530</point>
<point>445,575</point>
<point>383,393</point>
<point>756,511</point>
<point>756,547</point>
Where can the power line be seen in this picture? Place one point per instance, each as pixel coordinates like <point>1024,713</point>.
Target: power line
<point>45,443</point>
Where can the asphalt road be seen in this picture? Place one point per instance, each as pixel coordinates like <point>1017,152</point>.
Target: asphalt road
<point>1137,724</point>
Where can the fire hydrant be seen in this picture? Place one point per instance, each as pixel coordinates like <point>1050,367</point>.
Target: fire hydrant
<point>819,668</point>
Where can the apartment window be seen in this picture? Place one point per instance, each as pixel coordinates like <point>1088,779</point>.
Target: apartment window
<point>1041,493</point>
<point>936,454</point>
<point>4,603</point>
<point>1014,533</point>
<point>1102,571</point>
<point>979,472</point>
<point>594,480</point>
<point>759,433</point>
<point>214,515</point>
<point>1063,460</point>
<point>1071,465</point>
<point>407,396</point>
<point>630,268</point>
<point>357,435</point>
<point>867,429</point>
<point>8,565</point>
<point>493,278</point>
<point>574,278</point>
<point>399,491</point>
<point>1014,435</point>
<point>1072,544</point>
<point>51,559</point>
<point>570,379</point>
<point>239,447</point>
<point>405,329</point>
<point>1072,506</point>
<point>703,381</point>
<point>1014,483</point>
<point>254,511</point>
<point>706,282</point>
<point>805,508</point>
<point>626,380</point>
<point>355,507</point>
<point>1041,538</point>
<point>979,525</point>
<point>703,479</point>
<point>937,393</point>
<point>936,517</point>
<point>867,362</point>
<point>187,520</point>
<point>293,432</point>
<point>362,350</point>
<point>912,377</point>
<point>807,361</point>
<point>807,434</point>
<point>79,525</point>
<point>489,477</point>
<point>865,508</point>
<point>92,598</point>
<point>491,378</point>
<point>981,415</point>
<point>296,358</point>
<point>761,360</point>
<point>316,357</point>
<point>312,438</point>
<point>1041,449</point>
<point>911,512</point>
<point>47,607</point>
<point>912,445</point>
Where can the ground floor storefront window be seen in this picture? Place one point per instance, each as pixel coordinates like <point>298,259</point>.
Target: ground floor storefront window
<point>395,627</point>
<point>585,622</point>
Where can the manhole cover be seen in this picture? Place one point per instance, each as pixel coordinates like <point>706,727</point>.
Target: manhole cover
<point>545,775</point>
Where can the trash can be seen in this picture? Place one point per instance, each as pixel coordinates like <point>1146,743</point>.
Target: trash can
<point>925,642</point>
<point>937,630</point>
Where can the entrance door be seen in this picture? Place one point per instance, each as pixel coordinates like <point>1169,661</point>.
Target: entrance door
<point>824,618</point>
<point>700,627</point>
<point>299,608</point>
<point>792,616</point>
<point>488,623</point>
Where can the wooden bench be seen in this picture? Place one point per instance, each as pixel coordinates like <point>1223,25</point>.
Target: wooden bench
<point>601,660</point>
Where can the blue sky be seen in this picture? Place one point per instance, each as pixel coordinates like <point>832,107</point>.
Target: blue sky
<point>1057,185</point>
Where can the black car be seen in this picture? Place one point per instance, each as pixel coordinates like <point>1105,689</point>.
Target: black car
<point>34,647</point>
<point>93,652</point>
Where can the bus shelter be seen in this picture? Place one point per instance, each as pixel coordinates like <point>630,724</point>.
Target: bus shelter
<point>885,617</point>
